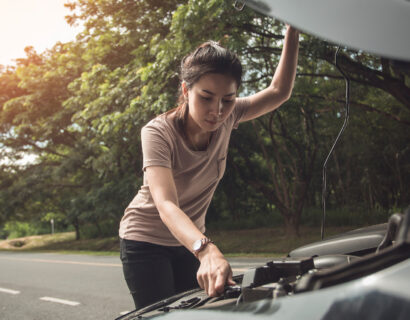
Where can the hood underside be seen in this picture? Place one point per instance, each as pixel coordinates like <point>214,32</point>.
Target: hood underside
<point>380,27</point>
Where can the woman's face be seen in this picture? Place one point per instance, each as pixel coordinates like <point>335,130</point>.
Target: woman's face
<point>211,100</point>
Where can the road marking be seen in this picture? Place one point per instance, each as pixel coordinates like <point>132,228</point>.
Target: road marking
<point>9,291</point>
<point>104,264</point>
<point>62,301</point>
<point>96,264</point>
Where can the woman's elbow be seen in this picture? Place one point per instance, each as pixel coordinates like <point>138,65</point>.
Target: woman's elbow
<point>282,93</point>
<point>285,94</point>
<point>165,208</point>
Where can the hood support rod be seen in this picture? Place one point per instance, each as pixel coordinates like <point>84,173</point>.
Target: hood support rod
<point>334,144</point>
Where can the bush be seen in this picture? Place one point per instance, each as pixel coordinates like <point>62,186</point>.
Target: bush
<point>18,229</point>
<point>344,217</point>
<point>311,217</point>
<point>3,233</point>
<point>103,229</point>
<point>251,221</point>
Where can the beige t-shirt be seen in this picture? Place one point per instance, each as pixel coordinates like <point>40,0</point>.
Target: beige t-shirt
<point>196,175</point>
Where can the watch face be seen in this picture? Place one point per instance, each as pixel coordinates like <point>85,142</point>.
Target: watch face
<point>197,245</point>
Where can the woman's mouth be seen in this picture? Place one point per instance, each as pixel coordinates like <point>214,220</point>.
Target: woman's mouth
<point>211,122</point>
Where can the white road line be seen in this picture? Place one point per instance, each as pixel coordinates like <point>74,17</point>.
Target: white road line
<point>62,301</point>
<point>9,291</point>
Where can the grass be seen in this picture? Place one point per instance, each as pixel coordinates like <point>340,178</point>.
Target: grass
<point>252,242</point>
<point>266,241</point>
<point>62,242</point>
<point>34,242</point>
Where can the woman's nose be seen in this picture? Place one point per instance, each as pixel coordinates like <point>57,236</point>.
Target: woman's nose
<point>217,108</point>
<point>220,106</point>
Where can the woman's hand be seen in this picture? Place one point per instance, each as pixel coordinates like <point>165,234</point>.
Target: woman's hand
<point>290,28</point>
<point>214,272</point>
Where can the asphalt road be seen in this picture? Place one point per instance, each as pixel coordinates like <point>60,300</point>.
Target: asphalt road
<point>52,286</point>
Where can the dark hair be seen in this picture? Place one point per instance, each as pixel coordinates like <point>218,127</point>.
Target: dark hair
<point>209,57</point>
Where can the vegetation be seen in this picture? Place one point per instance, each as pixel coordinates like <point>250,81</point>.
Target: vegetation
<point>79,108</point>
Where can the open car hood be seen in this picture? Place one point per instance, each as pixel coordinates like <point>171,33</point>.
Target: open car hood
<point>380,27</point>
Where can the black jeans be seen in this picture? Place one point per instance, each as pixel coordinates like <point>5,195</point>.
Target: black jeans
<point>155,272</point>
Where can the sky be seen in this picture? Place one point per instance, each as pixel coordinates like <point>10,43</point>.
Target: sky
<point>37,23</point>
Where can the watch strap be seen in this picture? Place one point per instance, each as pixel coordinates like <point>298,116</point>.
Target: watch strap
<point>204,243</point>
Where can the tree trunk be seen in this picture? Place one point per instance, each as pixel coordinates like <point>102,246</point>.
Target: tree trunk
<point>77,229</point>
<point>291,224</point>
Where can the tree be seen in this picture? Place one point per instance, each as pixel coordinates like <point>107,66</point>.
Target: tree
<point>79,107</point>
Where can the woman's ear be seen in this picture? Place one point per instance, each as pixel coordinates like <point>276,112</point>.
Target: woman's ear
<point>184,89</point>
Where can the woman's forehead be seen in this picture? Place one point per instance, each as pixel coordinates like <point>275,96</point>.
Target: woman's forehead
<point>217,84</point>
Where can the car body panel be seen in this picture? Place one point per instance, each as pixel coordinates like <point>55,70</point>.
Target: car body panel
<point>356,242</point>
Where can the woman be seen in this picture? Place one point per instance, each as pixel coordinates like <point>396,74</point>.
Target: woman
<point>163,247</point>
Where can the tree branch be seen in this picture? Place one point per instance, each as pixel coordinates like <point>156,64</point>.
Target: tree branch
<point>360,105</point>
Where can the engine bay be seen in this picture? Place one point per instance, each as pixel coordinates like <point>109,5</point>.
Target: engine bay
<point>370,250</point>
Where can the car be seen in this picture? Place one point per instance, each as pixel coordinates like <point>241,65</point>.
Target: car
<point>361,274</point>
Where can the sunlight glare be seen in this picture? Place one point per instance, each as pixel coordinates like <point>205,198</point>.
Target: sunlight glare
<point>37,23</point>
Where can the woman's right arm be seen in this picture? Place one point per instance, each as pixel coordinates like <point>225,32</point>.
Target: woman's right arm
<point>214,271</point>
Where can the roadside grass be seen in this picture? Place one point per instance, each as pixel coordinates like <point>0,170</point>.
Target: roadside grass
<point>267,241</point>
<point>37,241</point>
<point>250,242</point>
<point>63,243</point>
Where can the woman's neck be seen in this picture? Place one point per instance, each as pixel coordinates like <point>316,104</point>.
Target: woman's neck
<point>197,138</point>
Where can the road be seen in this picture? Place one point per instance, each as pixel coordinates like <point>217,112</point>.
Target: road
<point>53,286</point>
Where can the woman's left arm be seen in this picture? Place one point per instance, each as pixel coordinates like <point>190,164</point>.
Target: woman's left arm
<point>282,83</point>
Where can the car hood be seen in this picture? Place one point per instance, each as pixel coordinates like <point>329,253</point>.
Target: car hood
<point>377,26</point>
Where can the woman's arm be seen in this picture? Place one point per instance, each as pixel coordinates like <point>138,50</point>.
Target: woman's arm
<point>214,271</point>
<point>281,86</point>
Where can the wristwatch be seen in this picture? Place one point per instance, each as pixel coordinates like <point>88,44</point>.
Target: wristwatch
<point>199,245</point>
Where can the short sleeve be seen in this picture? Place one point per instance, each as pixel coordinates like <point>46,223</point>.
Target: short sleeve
<point>239,111</point>
<point>156,150</point>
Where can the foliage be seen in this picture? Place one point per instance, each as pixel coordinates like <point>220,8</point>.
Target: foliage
<point>15,229</point>
<point>78,108</point>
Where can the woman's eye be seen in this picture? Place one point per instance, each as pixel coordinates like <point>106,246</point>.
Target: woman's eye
<point>206,98</point>
<point>227,101</point>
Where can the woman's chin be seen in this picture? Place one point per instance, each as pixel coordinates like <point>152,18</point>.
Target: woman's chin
<point>211,125</point>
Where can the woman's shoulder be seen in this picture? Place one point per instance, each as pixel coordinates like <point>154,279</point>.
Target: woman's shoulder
<point>238,112</point>
<point>162,121</point>
<point>162,125</point>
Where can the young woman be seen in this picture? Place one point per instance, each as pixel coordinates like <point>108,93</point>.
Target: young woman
<point>163,247</point>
